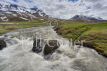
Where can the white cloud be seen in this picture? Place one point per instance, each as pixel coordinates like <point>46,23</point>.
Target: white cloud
<point>66,9</point>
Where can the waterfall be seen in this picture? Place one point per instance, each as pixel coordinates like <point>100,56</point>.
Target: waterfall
<point>17,56</point>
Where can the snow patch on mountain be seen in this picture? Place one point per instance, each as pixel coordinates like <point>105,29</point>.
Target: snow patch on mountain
<point>7,6</point>
<point>14,15</point>
<point>8,12</point>
<point>18,16</point>
<point>23,18</point>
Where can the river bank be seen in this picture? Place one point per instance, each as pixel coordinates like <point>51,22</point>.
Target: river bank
<point>94,34</point>
<point>10,26</point>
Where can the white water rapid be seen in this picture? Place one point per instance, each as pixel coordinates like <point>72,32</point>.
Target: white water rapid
<point>17,56</point>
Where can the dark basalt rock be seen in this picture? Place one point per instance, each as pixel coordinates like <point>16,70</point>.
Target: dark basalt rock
<point>2,44</point>
<point>51,46</point>
<point>37,46</point>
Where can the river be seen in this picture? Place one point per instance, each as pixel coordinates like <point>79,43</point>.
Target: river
<point>17,56</point>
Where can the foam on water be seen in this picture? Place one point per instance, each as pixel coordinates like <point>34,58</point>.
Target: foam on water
<point>17,56</point>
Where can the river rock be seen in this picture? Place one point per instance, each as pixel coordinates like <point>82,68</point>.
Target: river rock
<point>2,44</point>
<point>105,55</point>
<point>37,46</point>
<point>51,46</point>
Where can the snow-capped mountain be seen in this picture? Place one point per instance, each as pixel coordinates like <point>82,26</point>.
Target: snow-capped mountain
<point>18,16</point>
<point>37,11</point>
<point>10,11</point>
<point>6,6</point>
<point>83,18</point>
<point>99,18</point>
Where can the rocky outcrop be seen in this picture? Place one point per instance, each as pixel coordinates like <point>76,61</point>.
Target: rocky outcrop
<point>51,46</point>
<point>2,44</point>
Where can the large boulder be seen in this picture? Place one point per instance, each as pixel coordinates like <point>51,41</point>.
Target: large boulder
<point>2,44</point>
<point>51,46</point>
<point>37,46</point>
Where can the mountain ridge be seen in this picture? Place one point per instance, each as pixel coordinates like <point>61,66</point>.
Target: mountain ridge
<point>82,18</point>
<point>9,11</point>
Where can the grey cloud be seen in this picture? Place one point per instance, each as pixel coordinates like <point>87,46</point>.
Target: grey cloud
<point>92,0</point>
<point>103,15</point>
<point>86,12</point>
<point>104,8</point>
<point>58,7</point>
<point>97,6</point>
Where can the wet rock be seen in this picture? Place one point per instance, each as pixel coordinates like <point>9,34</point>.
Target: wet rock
<point>2,44</point>
<point>89,44</point>
<point>105,55</point>
<point>51,46</point>
<point>37,45</point>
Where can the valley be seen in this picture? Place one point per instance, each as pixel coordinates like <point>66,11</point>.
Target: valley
<point>59,37</point>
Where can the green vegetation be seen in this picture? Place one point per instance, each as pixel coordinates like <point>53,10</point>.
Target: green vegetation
<point>94,34</point>
<point>34,22</point>
<point>9,27</point>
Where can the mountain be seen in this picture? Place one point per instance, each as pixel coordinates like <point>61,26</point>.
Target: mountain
<point>99,18</point>
<point>6,6</point>
<point>82,18</point>
<point>37,12</point>
<point>13,12</point>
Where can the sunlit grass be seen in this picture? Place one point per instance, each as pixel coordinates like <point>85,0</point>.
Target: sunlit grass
<point>91,32</point>
<point>6,28</point>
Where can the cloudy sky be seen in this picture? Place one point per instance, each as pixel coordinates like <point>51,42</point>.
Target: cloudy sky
<point>66,9</point>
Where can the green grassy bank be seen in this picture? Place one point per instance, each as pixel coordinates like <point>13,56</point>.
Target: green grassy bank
<point>94,34</point>
<point>9,27</point>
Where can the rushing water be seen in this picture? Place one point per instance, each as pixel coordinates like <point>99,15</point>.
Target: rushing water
<point>17,56</point>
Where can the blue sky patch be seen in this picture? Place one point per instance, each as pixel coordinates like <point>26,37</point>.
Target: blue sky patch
<point>82,4</point>
<point>14,0</point>
<point>30,1</point>
<point>70,0</point>
<point>73,0</point>
<point>92,15</point>
<point>88,7</point>
<point>34,6</point>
